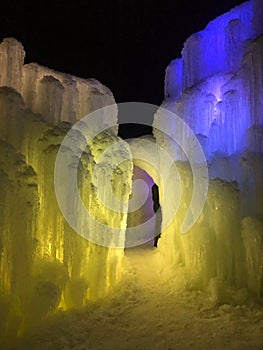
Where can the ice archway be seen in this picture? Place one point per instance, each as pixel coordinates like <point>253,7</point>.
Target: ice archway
<point>146,156</point>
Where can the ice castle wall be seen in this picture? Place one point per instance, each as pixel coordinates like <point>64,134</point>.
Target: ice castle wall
<point>56,96</point>
<point>216,87</point>
<point>44,263</point>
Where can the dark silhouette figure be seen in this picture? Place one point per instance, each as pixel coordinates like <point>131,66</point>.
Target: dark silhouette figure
<point>158,214</point>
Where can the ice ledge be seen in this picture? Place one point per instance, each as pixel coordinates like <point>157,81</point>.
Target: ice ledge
<point>55,95</point>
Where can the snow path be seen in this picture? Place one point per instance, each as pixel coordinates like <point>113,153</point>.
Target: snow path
<point>146,313</point>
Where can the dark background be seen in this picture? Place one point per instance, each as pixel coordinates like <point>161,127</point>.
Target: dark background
<point>126,44</point>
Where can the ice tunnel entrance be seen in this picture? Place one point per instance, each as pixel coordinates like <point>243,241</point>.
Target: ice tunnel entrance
<point>144,152</point>
<point>150,199</point>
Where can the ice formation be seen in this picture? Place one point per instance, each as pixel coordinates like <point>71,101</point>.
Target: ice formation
<point>44,264</point>
<point>56,96</point>
<point>216,88</point>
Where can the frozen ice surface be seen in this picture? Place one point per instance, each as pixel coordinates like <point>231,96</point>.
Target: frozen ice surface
<point>56,96</point>
<point>44,264</point>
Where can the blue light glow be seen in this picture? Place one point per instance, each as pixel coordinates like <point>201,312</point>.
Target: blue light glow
<point>216,86</point>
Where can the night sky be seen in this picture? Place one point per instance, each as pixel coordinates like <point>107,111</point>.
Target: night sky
<point>126,44</point>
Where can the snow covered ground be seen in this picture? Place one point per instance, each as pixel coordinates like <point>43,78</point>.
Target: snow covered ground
<point>147,312</point>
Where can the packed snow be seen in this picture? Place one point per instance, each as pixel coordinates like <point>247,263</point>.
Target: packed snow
<point>149,311</point>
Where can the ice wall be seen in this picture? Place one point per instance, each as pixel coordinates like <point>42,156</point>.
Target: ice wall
<point>44,263</point>
<point>12,57</point>
<point>218,48</point>
<point>216,87</point>
<point>56,96</point>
